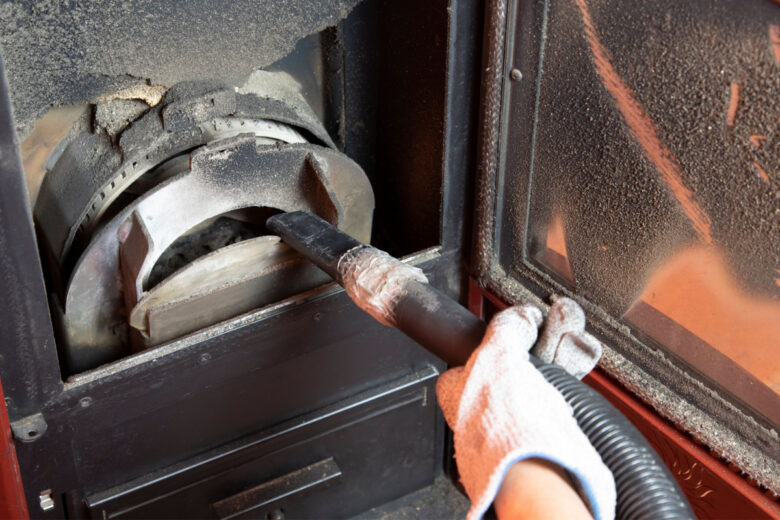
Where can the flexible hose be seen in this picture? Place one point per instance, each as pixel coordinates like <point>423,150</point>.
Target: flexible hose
<point>645,488</point>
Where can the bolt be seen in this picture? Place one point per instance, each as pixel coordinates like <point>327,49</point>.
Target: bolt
<point>515,75</point>
<point>205,358</point>
<point>85,402</point>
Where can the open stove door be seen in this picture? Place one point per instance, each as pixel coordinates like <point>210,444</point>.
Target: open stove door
<point>629,158</point>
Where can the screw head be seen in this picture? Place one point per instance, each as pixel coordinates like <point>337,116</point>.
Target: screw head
<point>205,358</point>
<point>515,75</point>
<point>276,514</point>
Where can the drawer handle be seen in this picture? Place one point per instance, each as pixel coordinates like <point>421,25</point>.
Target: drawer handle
<point>304,479</point>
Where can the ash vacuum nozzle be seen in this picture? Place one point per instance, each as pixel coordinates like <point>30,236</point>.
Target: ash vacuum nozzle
<point>395,293</point>
<point>398,294</point>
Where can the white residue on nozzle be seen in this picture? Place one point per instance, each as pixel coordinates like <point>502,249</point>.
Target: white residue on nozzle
<point>376,281</point>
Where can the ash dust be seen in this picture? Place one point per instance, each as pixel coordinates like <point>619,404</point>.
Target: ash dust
<point>707,79</point>
<point>680,61</point>
<point>376,281</point>
<point>65,53</point>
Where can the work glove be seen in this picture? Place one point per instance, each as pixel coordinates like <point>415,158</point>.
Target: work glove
<point>502,410</point>
<point>564,341</point>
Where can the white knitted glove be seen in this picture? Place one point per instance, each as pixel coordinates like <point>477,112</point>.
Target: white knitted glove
<point>502,410</point>
<point>564,340</point>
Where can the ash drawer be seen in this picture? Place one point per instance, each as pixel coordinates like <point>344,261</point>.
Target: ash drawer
<point>335,462</point>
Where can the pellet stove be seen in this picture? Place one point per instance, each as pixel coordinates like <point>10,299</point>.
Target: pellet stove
<point>164,355</point>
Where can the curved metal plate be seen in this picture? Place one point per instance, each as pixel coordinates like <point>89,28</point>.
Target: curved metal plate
<point>93,171</point>
<point>223,177</point>
<point>76,194</point>
<point>225,283</point>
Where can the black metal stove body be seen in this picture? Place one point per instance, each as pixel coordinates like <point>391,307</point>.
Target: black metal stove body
<point>306,405</point>
<point>563,131</point>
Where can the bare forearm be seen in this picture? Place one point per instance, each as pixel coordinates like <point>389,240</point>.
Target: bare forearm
<point>535,488</point>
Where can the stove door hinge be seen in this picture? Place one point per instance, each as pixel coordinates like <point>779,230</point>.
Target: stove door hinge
<point>30,428</point>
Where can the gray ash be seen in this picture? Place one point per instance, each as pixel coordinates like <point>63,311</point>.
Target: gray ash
<point>207,238</point>
<point>679,59</point>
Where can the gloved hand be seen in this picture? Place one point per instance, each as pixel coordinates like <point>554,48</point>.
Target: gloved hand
<point>564,341</point>
<point>502,410</point>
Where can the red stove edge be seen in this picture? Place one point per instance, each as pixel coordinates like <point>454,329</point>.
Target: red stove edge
<point>714,490</point>
<point>12,502</point>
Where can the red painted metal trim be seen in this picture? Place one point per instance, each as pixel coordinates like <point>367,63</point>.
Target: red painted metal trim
<point>475,299</point>
<point>713,490</point>
<point>12,502</point>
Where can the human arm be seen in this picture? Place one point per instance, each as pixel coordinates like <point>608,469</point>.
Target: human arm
<point>502,411</point>
<point>537,489</point>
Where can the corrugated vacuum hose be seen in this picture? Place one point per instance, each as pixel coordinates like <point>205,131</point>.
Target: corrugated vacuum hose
<point>398,295</point>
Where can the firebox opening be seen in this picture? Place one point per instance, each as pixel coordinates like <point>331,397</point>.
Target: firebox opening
<point>211,235</point>
<point>106,161</point>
